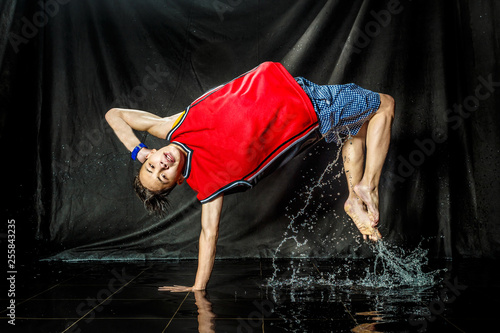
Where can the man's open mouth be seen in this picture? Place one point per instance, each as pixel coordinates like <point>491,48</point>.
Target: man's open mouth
<point>169,157</point>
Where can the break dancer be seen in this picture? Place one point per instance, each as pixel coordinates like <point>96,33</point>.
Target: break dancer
<point>235,134</point>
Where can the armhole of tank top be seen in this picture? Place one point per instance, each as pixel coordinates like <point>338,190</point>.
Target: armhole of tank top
<point>177,123</point>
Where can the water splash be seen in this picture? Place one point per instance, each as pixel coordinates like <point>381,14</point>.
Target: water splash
<point>394,282</point>
<point>392,266</point>
<point>293,230</point>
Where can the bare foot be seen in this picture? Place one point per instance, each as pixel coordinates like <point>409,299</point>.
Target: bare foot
<point>355,209</point>
<point>370,198</point>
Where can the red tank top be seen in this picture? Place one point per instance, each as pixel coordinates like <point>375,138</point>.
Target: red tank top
<point>240,131</point>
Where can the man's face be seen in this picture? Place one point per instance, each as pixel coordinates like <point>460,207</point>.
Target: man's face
<point>163,168</point>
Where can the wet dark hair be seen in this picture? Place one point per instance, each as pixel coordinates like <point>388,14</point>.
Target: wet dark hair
<point>155,202</point>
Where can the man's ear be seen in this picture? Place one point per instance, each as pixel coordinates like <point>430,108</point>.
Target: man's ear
<point>180,180</point>
<point>144,154</point>
<point>152,151</point>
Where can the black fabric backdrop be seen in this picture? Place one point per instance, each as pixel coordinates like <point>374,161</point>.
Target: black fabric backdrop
<point>67,178</point>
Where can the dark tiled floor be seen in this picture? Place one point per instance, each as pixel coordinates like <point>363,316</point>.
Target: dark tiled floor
<point>123,297</point>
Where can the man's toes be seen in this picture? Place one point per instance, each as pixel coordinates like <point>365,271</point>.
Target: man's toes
<point>374,218</point>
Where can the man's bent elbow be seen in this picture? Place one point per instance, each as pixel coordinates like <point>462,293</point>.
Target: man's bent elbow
<point>110,114</point>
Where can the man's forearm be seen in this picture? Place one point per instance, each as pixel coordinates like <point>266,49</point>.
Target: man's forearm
<point>206,258</point>
<point>210,217</point>
<point>125,121</point>
<point>122,130</point>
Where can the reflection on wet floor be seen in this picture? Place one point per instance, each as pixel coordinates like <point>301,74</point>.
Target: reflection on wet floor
<point>123,297</point>
<point>374,318</point>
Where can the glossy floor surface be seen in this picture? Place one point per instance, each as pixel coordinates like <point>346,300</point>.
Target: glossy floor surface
<point>123,297</point>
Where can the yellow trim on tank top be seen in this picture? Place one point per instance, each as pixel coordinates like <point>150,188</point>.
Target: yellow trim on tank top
<point>179,119</point>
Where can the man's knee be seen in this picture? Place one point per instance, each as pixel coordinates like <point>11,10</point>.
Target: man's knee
<point>387,105</point>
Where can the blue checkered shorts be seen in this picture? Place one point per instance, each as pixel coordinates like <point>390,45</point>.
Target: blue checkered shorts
<point>341,109</point>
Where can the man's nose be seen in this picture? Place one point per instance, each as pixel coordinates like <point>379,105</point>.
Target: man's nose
<point>163,165</point>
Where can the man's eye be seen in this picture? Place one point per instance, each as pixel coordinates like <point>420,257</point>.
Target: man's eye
<point>151,166</point>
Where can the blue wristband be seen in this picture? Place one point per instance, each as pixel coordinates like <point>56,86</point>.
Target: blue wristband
<point>136,150</point>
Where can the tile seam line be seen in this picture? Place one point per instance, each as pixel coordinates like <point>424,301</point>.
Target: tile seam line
<point>314,264</point>
<point>56,285</point>
<point>85,315</point>
<point>452,324</point>
<point>170,321</point>
<point>343,304</point>
<point>349,312</point>
<point>445,319</point>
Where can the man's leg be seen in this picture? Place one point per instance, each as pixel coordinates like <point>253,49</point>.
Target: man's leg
<point>353,153</point>
<point>378,135</point>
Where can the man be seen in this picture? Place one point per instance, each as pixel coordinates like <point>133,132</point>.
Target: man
<point>237,133</point>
